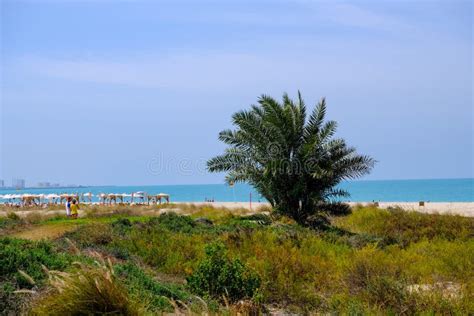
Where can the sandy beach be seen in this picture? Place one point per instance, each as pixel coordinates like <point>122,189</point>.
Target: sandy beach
<point>459,208</point>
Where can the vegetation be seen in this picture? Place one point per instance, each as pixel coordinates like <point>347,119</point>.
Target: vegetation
<point>372,261</point>
<point>21,267</point>
<point>218,276</point>
<point>91,290</point>
<point>294,163</point>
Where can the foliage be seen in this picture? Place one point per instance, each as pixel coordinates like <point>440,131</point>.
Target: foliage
<point>21,264</point>
<point>144,288</point>
<point>400,227</point>
<point>92,290</point>
<point>173,222</point>
<point>28,256</point>
<point>372,262</point>
<point>218,276</point>
<point>293,162</point>
<point>92,235</point>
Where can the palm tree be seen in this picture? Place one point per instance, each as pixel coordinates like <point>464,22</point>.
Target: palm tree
<point>295,163</point>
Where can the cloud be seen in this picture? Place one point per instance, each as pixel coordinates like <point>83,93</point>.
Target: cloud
<point>211,71</point>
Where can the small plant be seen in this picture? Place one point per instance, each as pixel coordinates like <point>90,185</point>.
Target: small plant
<point>89,291</point>
<point>28,256</point>
<point>144,288</point>
<point>92,235</point>
<point>217,276</point>
<point>13,216</point>
<point>122,225</point>
<point>173,222</point>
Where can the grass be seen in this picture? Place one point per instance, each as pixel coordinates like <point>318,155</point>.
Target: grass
<point>370,262</point>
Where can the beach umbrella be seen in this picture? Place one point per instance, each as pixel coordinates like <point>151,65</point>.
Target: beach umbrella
<point>88,195</point>
<point>165,196</point>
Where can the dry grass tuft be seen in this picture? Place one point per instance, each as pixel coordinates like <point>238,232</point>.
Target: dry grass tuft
<point>90,290</point>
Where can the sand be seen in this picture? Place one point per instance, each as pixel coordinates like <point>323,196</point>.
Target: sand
<point>459,208</point>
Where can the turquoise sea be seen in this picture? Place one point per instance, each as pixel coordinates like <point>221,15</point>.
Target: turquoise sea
<point>434,190</point>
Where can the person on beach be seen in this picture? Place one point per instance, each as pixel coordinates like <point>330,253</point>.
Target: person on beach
<point>74,208</point>
<point>68,207</point>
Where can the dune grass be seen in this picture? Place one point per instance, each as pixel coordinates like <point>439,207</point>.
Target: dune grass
<point>370,262</point>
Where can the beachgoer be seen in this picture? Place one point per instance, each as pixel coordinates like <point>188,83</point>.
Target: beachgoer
<point>68,207</point>
<point>74,208</point>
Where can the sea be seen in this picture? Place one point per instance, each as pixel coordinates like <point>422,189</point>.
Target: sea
<point>430,190</point>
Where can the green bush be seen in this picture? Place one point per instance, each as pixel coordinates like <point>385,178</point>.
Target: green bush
<point>121,225</point>
<point>13,216</point>
<point>29,256</point>
<point>170,252</point>
<point>173,222</point>
<point>144,288</point>
<point>92,235</point>
<point>218,276</point>
<point>405,227</point>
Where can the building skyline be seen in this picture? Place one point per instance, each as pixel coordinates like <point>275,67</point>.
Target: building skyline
<point>18,183</point>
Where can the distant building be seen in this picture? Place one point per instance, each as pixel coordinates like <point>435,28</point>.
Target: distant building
<point>18,183</point>
<point>44,184</point>
<point>2,184</point>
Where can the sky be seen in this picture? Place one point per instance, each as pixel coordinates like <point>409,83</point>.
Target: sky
<point>135,92</point>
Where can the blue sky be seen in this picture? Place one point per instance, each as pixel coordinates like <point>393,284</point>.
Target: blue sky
<point>135,92</point>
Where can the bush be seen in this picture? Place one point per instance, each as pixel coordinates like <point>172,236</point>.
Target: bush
<point>405,227</point>
<point>28,256</point>
<point>92,235</point>
<point>170,252</point>
<point>218,276</point>
<point>13,216</point>
<point>144,288</point>
<point>89,291</point>
<point>173,222</point>
<point>122,225</point>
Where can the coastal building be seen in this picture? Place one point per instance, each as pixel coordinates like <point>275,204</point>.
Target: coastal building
<point>18,183</point>
<point>44,184</point>
<point>2,184</point>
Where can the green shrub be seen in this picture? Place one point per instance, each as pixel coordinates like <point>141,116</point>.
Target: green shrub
<point>173,222</point>
<point>170,252</point>
<point>121,225</point>
<point>29,256</point>
<point>92,235</point>
<point>218,276</point>
<point>143,287</point>
<point>9,222</point>
<point>13,216</point>
<point>404,227</point>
